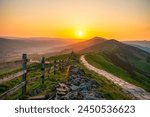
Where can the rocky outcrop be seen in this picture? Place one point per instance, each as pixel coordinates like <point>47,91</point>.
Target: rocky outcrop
<point>78,87</point>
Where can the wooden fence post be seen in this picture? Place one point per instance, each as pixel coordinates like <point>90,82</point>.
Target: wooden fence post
<point>24,68</point>
<point>54,67</point>
<point>49,69</point>
<point>60,65</point>
<point>43,69</point>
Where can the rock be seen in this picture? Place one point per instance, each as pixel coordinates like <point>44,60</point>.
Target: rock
<point>99,95</point>
<point>83,87</point>
<point>81,72</point>
<point>88,97</point>
<point>62,85</point>
<point>35,92</point>
<point>72,77</point>
<point>74,87</point>
<point>61,89</point>
<point>78,87</point>
<point>91,93</point>
<point>38,90</point>
<point>61,93</point>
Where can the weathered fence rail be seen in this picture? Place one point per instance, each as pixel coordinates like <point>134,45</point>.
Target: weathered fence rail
<point>36,61</point>
<point>13,76</point>
<point>56,65</point>
<point>11,91</point>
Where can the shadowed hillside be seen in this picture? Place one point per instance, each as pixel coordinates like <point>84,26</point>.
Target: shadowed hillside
<point>144,45</point>
<point>128,62</point>
<point>140,43</point>
<point>85,44</point>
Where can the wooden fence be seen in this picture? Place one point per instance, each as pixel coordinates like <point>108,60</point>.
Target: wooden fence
<point>55,65</point>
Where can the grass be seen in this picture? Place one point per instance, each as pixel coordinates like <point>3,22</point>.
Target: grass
<point>142,65</point>
<point>45,88</point>
<point>100,61</point>
<point>5,73</point>
<point>110,90</point>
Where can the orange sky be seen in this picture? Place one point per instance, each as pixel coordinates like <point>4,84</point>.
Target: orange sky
<point>119,19</point>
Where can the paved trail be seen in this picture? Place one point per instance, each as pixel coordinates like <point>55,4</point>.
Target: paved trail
<point>136,91</point>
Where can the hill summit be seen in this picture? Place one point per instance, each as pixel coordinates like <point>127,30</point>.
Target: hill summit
<point>85,44</point>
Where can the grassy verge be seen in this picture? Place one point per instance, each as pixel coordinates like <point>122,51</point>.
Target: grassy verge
<point>110,90</point>
<point>35,87</point>
<point>101,62</point>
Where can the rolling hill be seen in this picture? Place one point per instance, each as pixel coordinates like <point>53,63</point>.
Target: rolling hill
<point>140,43</point>
<point>127,62</point>
<point>85,44</point>
<point>11,49</point>
<point>144,45</point>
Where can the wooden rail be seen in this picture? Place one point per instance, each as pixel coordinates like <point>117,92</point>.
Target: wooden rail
<point>36,61</point>
<point>56,65</point>
<point>13,76</point>
<point>11,91</point>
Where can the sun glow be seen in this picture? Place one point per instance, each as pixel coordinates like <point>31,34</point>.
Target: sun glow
<point>76,19</point>
<point>80,33</point>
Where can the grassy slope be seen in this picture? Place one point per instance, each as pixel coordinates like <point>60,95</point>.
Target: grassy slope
<point>100,61</point>
<point>109,90</point>
<point>31,87</point>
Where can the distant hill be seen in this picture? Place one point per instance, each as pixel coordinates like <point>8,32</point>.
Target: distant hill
<point>144,45</point>
<point>140,43</point>
<point>85,44</point>
<point>147,49</point>
<point>11,49</point>
<point>125,61</point>
<point>116,50</point>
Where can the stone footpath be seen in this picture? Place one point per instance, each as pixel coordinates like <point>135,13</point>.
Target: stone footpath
<point>131,89</point>
<point>78,87</point>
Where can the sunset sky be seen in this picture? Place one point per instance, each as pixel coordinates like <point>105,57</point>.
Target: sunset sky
<point>81,19</point>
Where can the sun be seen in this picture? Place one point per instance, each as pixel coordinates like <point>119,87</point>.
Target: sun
<point>80,33</point>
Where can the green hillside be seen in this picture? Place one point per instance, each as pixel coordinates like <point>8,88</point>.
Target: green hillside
<point>124,61</point>
<point>35,88</point>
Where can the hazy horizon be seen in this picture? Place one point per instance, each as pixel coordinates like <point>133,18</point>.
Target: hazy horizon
<point>71,39</point>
